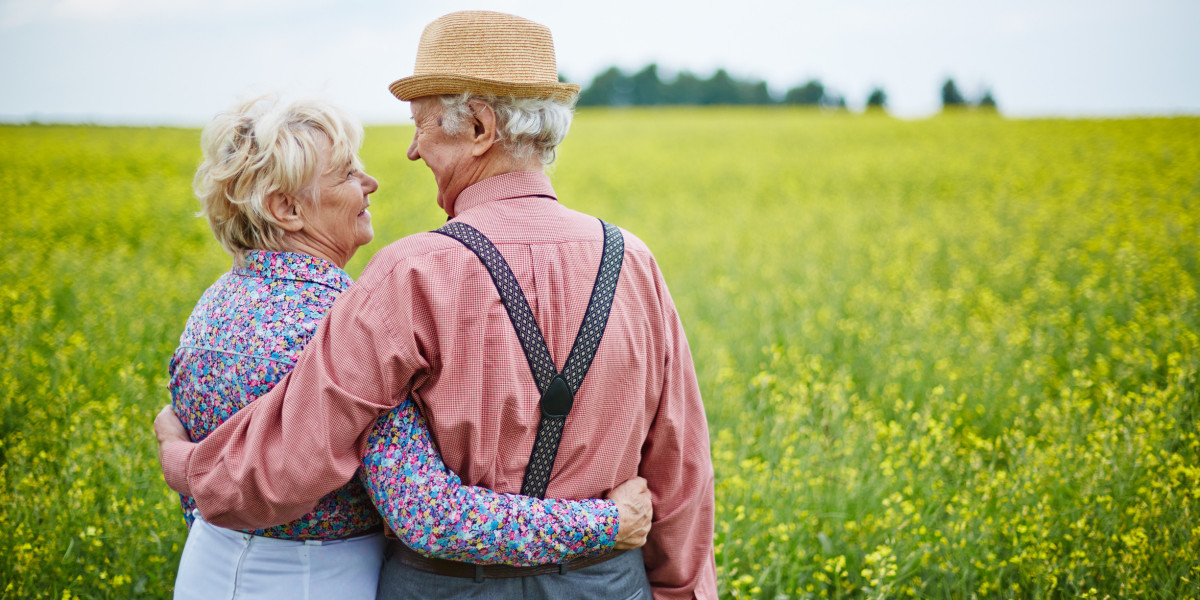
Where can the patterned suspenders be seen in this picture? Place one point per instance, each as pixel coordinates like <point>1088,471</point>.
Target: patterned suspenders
<point>557,389</point>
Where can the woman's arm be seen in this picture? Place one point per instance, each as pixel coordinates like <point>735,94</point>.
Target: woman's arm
<point>434,514</point>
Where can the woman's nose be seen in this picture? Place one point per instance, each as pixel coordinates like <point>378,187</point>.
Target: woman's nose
<point>370,184</point>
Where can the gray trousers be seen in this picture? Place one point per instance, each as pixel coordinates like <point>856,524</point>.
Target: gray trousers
<point>622,578</point>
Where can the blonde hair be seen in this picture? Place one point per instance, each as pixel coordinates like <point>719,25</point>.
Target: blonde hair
<point>261,147</point>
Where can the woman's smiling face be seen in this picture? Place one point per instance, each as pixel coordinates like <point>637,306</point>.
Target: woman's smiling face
<point>339,219</point>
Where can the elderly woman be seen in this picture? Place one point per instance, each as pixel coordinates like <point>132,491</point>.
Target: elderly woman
<point>285,194</point>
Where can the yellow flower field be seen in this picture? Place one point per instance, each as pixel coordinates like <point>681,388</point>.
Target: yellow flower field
<point>949,358</point>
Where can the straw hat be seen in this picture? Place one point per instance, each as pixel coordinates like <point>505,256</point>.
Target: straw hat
<point>485,53</point>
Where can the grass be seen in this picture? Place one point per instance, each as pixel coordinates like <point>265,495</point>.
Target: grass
<point>951,358</point>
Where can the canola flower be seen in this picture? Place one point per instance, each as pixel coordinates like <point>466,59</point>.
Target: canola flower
<point>949,358</point>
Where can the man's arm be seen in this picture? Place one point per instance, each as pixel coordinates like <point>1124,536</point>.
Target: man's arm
<point>677,465</point>
<point>275,458</point>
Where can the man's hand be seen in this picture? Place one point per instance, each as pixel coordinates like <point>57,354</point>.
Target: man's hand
<point>168,429</point>
<point>633,505</point>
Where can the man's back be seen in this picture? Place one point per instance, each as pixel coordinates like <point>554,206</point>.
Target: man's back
<point>478,394</point>
<point>638,410</point>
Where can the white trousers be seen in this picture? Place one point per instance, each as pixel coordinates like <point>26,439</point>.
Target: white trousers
<point>222,564</point>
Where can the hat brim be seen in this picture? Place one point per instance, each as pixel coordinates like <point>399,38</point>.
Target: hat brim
<point>409,88</point>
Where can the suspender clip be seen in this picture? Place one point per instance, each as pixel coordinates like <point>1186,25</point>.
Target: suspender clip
<point>558,399</point>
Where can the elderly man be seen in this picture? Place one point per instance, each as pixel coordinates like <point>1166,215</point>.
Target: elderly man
<point>438,316</point>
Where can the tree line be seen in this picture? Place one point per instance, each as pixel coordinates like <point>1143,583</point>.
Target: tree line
<point>646,88</point>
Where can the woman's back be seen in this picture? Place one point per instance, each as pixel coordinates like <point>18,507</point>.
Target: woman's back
<point>242,338</point>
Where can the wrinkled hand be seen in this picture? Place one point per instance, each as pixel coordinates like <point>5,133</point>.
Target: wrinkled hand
<point>633,506</point>
<point>168,428</point>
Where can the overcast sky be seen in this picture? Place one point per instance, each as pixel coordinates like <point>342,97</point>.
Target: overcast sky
<point>181,61</point>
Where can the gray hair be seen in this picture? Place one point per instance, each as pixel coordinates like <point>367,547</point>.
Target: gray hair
<point>261,147</point>
<point>525,126</point>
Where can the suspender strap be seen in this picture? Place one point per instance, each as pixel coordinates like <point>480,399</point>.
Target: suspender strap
<point>528,332</point>
<point>557,390</point>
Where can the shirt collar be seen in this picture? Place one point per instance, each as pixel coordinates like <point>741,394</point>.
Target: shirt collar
<point>293,265</point>
<point>518,184</point>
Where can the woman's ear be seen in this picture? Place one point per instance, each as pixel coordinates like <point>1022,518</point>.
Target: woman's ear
<point>286,211</point>
<point>484,133</point>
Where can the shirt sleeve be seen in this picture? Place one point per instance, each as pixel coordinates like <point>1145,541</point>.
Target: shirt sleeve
<point>677,465</point>
<point>434,514</point>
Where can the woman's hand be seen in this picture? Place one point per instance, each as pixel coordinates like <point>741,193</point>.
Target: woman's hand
<point>633,505</point>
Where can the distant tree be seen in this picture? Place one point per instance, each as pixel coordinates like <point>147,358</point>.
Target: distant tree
<point>757,93</point>
<point>737,91</point>
<point>719,89</point>
<point>951,97</point>
<point>987,101</point>
<point>686,89</point>
<point>877,99</point>
<point>812,92</point>
<point>647,88</point>
<point>610,88</point>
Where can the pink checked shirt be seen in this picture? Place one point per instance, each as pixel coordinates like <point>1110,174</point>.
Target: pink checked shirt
<point>425,320</point>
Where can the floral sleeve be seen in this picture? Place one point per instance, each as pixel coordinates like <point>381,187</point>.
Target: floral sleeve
<point>434,514</point>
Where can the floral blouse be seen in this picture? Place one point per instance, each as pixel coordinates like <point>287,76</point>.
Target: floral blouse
<point>246,334</point>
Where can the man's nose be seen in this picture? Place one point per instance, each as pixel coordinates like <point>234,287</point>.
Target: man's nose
<point>413,154</point>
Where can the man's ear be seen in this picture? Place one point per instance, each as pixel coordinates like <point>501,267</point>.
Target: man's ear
<point>484,135</point>
<point>286,211</point>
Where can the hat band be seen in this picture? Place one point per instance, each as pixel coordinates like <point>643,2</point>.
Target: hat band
<point>417,86</point>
